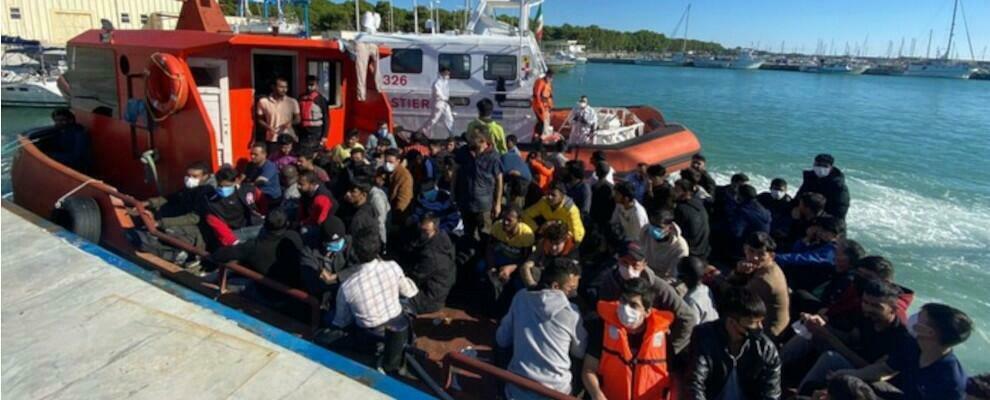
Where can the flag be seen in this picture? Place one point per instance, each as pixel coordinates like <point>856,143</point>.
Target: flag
<point>539,23</point>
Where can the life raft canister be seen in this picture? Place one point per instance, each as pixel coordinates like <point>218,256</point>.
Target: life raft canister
<point>165,85</point>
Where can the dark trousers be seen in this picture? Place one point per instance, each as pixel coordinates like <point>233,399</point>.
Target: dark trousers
<point>852,388</point>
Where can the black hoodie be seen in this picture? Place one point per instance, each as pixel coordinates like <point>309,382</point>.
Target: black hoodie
<point>833,187</point>
<point>692,218</point>
<point>431,266</point>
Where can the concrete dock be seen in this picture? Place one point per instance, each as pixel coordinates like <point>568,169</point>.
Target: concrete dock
<point>79,322</point>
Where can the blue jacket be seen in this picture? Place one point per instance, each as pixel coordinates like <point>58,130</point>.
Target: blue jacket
<point>746,218</point>
<point>512,161</point>
<point>804,255</point>
<point>441,203</point>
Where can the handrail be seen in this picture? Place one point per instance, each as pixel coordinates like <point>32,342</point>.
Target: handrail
<point>149,222</point>
<point>297,294</point>
<point>462,361</point>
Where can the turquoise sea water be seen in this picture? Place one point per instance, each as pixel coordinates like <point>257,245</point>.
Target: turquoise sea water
<point>914,150</point>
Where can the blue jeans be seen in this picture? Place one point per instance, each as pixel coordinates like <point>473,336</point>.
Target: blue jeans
<point>829,361</point>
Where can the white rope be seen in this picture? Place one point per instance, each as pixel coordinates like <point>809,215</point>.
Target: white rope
<point>58,203</point>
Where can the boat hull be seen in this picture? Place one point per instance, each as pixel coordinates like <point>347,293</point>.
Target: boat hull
<point>32,94</point>
<point>938,71</point>
<point>671,145</point>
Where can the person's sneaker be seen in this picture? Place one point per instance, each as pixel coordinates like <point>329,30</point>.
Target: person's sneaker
<point>193,265</point>
<point>212,276</point>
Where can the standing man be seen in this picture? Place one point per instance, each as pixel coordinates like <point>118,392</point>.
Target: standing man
<point>584,123</point>
<point>277,112</point>
<point>542,104</point>
<point>478,185</point>
<point>313,111</point>
<point>441,104</point>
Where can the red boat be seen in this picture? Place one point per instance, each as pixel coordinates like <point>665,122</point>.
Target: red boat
<point>201,82</point>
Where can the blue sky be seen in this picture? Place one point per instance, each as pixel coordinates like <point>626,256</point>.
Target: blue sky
<point>799,23</point>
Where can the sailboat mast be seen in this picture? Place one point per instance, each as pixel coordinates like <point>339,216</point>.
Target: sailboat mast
<point>928,52</point>
<point>687,20</point>
<point>952,29</point>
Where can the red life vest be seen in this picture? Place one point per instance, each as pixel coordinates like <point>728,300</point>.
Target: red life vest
<point>628,377</point>
<point>309,111</point>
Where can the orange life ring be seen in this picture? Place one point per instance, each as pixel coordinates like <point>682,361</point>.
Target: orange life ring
<point>165,85</point>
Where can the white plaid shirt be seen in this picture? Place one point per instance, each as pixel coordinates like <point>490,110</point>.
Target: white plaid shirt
<point>370,297</point>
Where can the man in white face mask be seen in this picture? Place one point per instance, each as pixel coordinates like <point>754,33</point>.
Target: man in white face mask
<point>627,349</point>
<point>585,121</point>
<point>632,265</point>
<point>829,181</point>
<point>180,212</point>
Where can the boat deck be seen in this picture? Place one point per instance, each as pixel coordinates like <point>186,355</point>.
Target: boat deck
<point>80,322</point>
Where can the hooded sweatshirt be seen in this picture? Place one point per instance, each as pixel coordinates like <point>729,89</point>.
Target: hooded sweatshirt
<point>544,329</point>
<point>662,256</point>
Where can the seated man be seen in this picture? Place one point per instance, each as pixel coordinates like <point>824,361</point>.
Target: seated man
<point>663,244</point>
<point>544,330</point>
<point>779,203</point>
<point>809,206</point>
<point>557,242</point>
<point>365,216</point>
<point>284,154</point>
<point>381,138</point>
<point>627,347</point>
<point>556,206</point>
<point>759,273</point>
<point>180,213</point>
<point>746,217</point>
<point>510,245</point>
<point>811,261</point>
<point>850,301</point>
<point>629,216</point>
<point>431,266</point>
<point>368,301</point>
<point>342,152</point>
<point>306,162</point>
<point>68,142</point>
<point>659,193</point>
<point>878,334</point>
<point>264,175</point>
<point>440,203</point>
<point>325,265</point>
<point>230,210</point>
<point>847,254</point>
<point>929,370</point>
<point>731,358</point>
<point>690,271</point>
<point>632,265</point>
<point>275,253</point>
<point>316,203</point>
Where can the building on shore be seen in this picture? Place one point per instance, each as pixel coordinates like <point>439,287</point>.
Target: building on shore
<point>54,22</point>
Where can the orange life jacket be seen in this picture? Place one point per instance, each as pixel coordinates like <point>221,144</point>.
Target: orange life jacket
<point>542,98</point>
<point>310,112</point>
<point>645,376</point>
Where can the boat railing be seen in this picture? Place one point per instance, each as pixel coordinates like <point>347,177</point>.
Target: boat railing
<point>225,268</point>
<point>458,360</point>
<point>26,143</point>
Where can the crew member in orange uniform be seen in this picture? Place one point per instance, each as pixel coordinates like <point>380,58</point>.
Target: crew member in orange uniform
<point>542,103</point>
<point>627,357</point>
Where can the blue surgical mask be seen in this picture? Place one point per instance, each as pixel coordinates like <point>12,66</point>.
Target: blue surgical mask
<point>335,246</point>
<point>225,191</point>
<point>383,132</point>
<point>657,232</point>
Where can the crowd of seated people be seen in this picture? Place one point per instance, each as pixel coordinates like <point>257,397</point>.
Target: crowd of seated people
<point>636,286</point>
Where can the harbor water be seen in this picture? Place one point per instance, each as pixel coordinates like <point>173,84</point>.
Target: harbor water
<point>914,152</point>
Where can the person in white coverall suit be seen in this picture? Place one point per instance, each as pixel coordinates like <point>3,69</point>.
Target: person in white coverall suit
<point>584,123</point>
<point>441,104</point>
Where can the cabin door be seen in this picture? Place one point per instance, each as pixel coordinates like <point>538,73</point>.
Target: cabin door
<point>211,79</point>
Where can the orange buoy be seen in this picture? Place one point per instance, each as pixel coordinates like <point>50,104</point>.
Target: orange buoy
<point>165,85</point>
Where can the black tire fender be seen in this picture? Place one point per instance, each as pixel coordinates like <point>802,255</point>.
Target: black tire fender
<point>80,215</point>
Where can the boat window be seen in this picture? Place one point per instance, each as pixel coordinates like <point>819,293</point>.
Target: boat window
<point>93,79</point>
<point>15,13</point>
<point>459,64</point>
<point>206,76</point>
<point>328,74</point>
<point>407,61</point>
<point>125,18</point>
<point>144,19</point>
<point>500,66</point>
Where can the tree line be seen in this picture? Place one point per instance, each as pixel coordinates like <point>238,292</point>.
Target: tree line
<point>327,16</point>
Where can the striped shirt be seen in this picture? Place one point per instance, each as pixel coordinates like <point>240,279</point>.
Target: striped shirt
<point>370,297</point>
